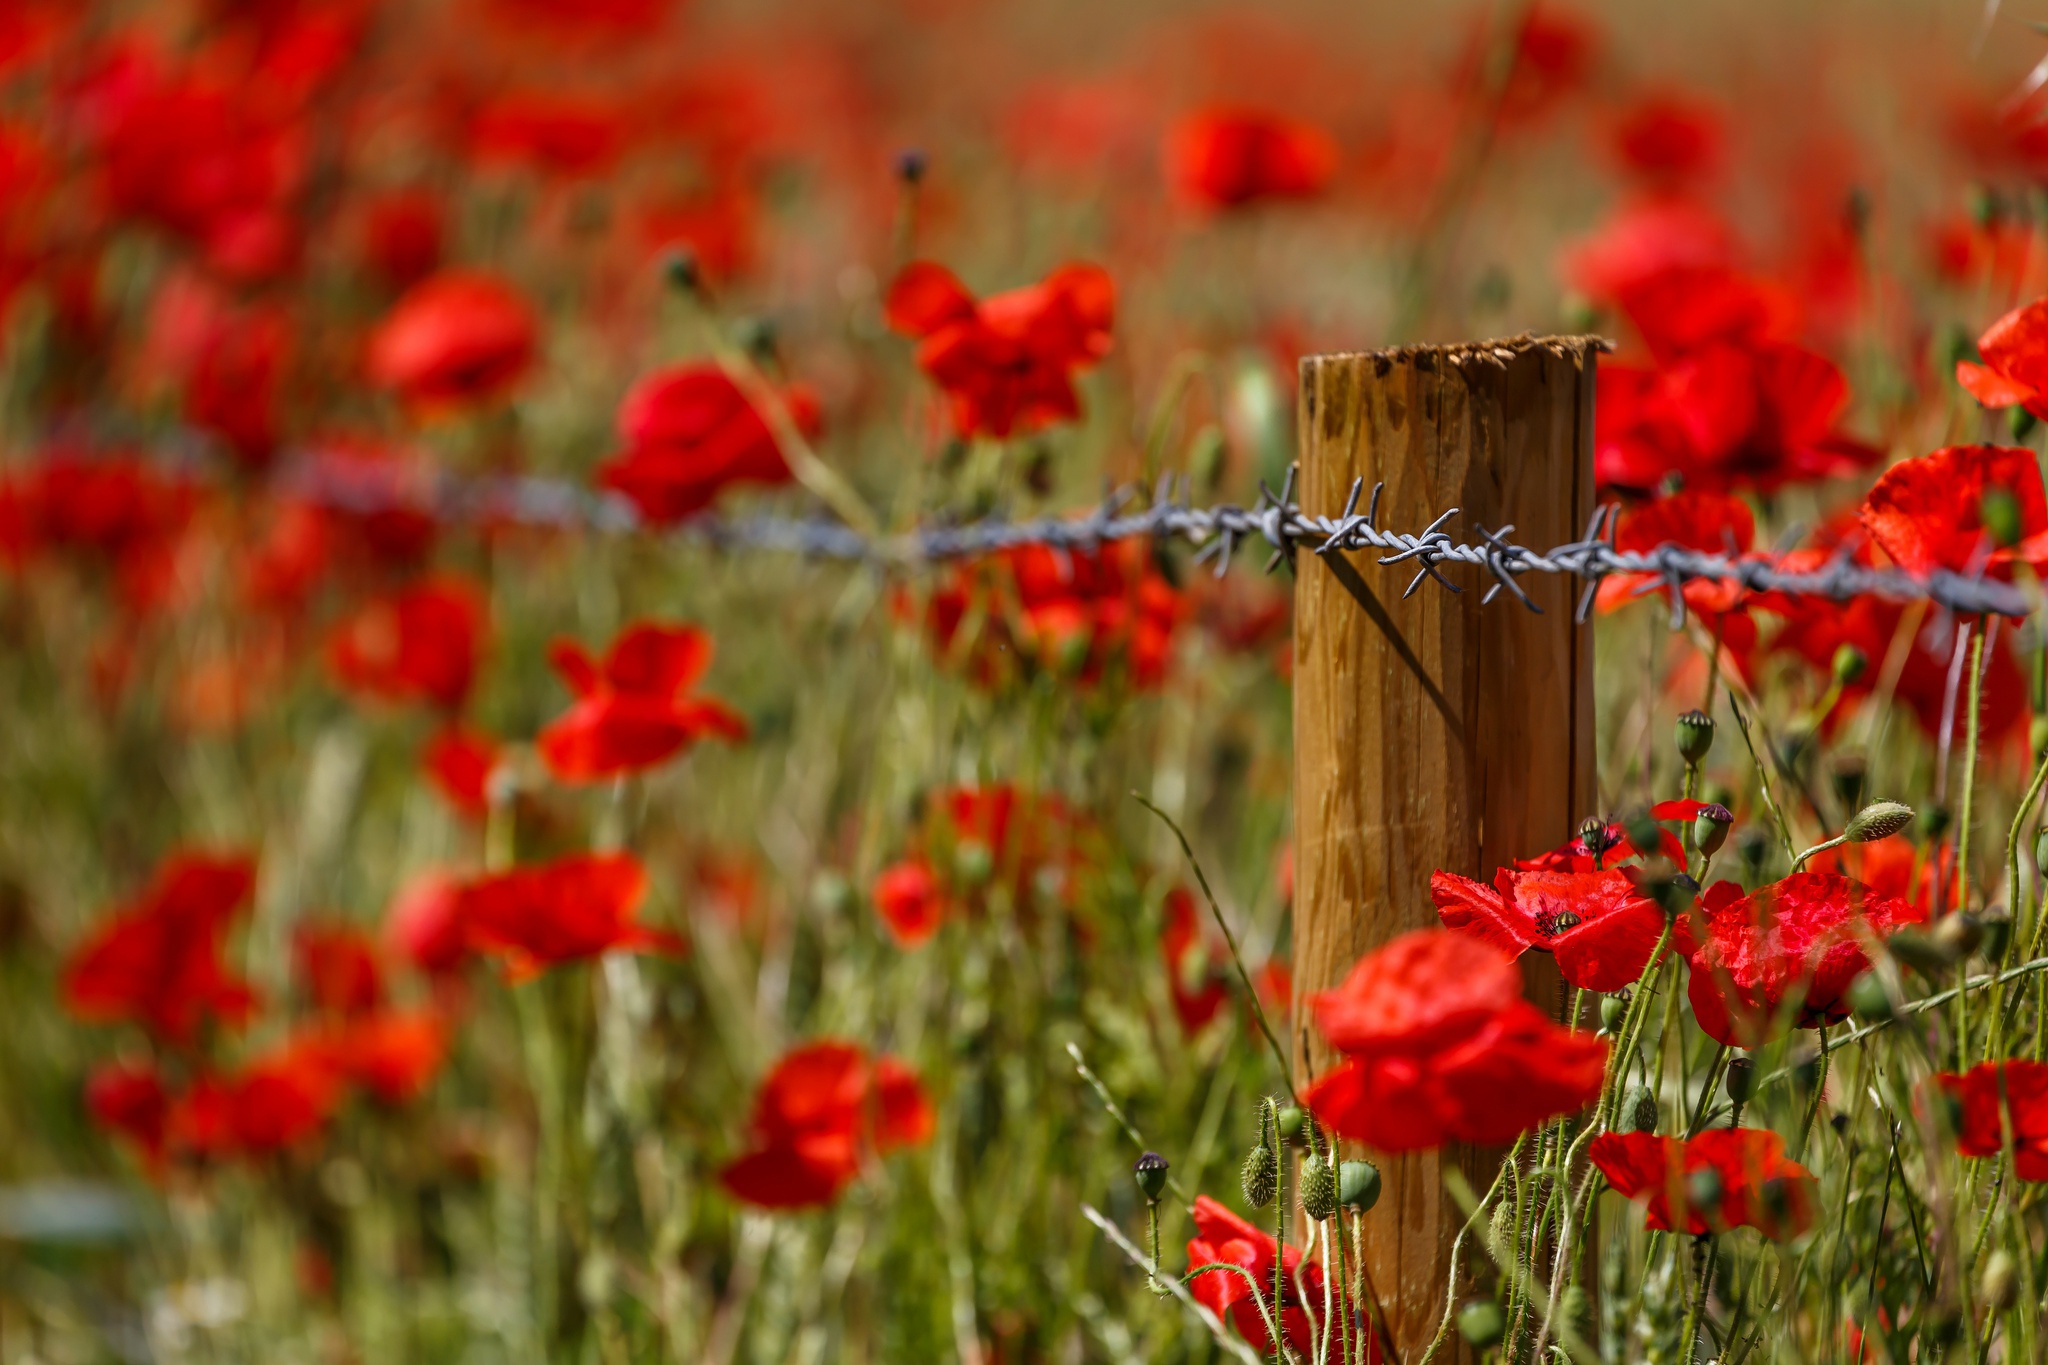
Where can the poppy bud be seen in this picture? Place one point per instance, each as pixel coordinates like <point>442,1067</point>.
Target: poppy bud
<point>972,862</point>
<point>1639,1109</point>
<point>2020,422</point>
<point>1958,936</point>
<point>1645,835</point>
<point>1997,927</point>
<point>1869,999</point>
<point>1777,1197</point>
<point>679,267</point>
<point>2037,735</point>
<point>1481,1323</point>
<point>1850,663</point>
<point>1318,1189</point>
<point>1878,820</point>
<point>756,336</point>
<point>1934,821</point>
<point>832,894</point>
<point>1293,1125</point>
<point>1150,1173</point>
<point>1612,1010</point>
<point>1741,1081</point>
<point>2041,849</point>
<point>1848,778</point>
<point>1596,835</point>
<point>1703,1189</point>
<point>1797,750</point>
<point>1806,1070</point>
<point>1920,950</point>
<point>911,165</point>
<point>2000,1289</point>
<point>1259,1177</point>
<point>1358,1185</point>
<point>1576,1307</point>
<point>1999,513</point>
<point>597,1280</point>
<point>1710,828</point>
<point>1672,894</point>
<point>1695,737</point>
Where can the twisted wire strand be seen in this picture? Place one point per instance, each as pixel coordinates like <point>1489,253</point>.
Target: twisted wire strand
<point>1274,519</point>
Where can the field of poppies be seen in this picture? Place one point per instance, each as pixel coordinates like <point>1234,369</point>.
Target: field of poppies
<point>438,929</point>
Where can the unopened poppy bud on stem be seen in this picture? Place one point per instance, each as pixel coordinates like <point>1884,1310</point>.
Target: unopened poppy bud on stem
<point>1869,999</point>
<point>1481,1323</point>
<point>1259,1177</point>
<point>1593,833</point>
<point>1639,1110</point>
<point>1741,1081</point>
<point>1358,1185</point>
<point>1318,1188</point>
<point>679,267</point>
<point>1695,737</point>
<point>1613,1008</point>
<point>1879,820</point>
<point>1850,663</point>
<point>1293,1124</point>
<point>2000,1289</point>
<point>911,164</point>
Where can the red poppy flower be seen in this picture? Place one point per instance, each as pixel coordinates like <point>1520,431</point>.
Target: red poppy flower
<point>1007,362</point>
<point>1711,522</point>
<point>130,1100</point>
<point>402,237</point>
<point>562,134</point>
<point>1221,1237</point>
<point>573,908</point>
<point>424,923</point>
<point>908,898</point>
<point>460,764</point>
<point>1194,966</point>
<point>2015,368</point>
<point>689,432</point>
<point>634,710</point>
<point>1797,939</point>
<point>157,962</point>
<point>1928,513</point>
<point>115,510</point>
<point>1760,1186</point>
<point>272,1103</point>
<point>1980,1128</point>
<point>416,644</point>
<point>338,968</point>
<point>1669,139</point>
<point>1225,157</point>
<point>394,1054</point>
<point>457,337</point>
<point>1600,928</point>
<point>1441,1047</point>
<point>1574,856</point>
<point>813,1115</point>
<point>1076,615</point>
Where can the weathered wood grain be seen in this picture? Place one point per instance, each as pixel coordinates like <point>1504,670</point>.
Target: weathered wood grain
<point>1433,732</point>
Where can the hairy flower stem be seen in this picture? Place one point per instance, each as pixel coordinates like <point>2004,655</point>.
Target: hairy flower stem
<point>1963,837</point>
<point>1820,1085</point>
<point>1706,1100</point>
<point>1617,1065</point>
<point>1279,1240</point>
<point>1763,779</point>
<point>1688,1338</point>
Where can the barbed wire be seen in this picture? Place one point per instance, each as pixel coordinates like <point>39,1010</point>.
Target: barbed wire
<point>1217,531</point>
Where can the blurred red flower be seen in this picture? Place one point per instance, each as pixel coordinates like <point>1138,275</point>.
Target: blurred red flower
<point>114,509</point>
<point>1760,1187</point>
<point>689,432</point>
<point>455,338</point>
<point>130,1099</point>
<point>1796,940</point>
<point>1007,363</point>
<point>2015,368</point>
<point>1930,513</point>
<point>562,134</point>
<point>269,1104</point>
<point>1226,157</point>
<point>423,924</point>
<point>393,1054</point>
<point>577,907</point>
<point>402,236</point>
<point>814,1114</point>
<point>1600,928</point>
<point>1073,614</point>
<point>910,901</point>
<point>157,961</point>
<point>460,763</point>
<point>419,643</point>
<point>1980,1130</point>
<point>338,968</point>
<point>1712,522</point>
<point>1221,1237</point>
<point>1441,1047</point>
<point>1669,139</point>
<point>633,711</point>
<point>1194,966</point>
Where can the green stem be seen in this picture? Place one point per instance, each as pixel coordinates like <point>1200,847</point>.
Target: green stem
<point>1763,778</point>
<point>1689,1338</point>
<point>1963,839</point>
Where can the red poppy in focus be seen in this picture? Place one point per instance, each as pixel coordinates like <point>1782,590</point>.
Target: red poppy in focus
<point>157,962</point>
<point>1980,1130</point>
<point>1799,939</point>
<point>130,1100</point>
<point>275,1102</point>
<point>1194,966</point>
<point>1760,1187</point>
<point>338,968</point>
<point>574,908</point>
<point>1227,157</point>
<point>458,337</point>
<point>1600,928</point>
<point>1574,856</point>
<point>1223,1238</point>
<point>424,923</point>
<point>394,1054</point>
<point>1931,513</point>
<point>416,644</point>
<point>1007,363</point>
<point>2015,368</point>
<point>689,432</point>
<point>1441,1047</point>
<point>634,710</point>
<point>460,764</point>
<point>908,898</point>
<point>815,1114</point>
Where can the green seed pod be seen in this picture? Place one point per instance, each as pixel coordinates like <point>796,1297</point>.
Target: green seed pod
<point>1293,1126</point>
<point>2037,736</point>
<point>1481,1323</point>
<point>1741,1081</point>
<point>973,862</point>
<point>1869,999</point>
<point>2000,1289</point>
<point>1999,514</point>
<point>1753,847</point>
<point>1318,1189</point>
<point>1849,665</point>
<point>1645,835</point>
<point>1597,835</point>
<point>1358,1185</point>
<point>1612,1010</point>
<point>1150,1172</point>
<point>1878,820</point>
<point>1710,828</point>
<point>2020,422</point>
<point>1695,737</point>
<point>1259,1176</point>
<point>1639,1109</point>
<point>1919,949</point>
<point>1934,821</point>
<point>679,267</point>
<point>1847,779</point>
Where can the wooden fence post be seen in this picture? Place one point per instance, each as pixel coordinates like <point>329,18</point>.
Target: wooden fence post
<point>1433,732</point>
